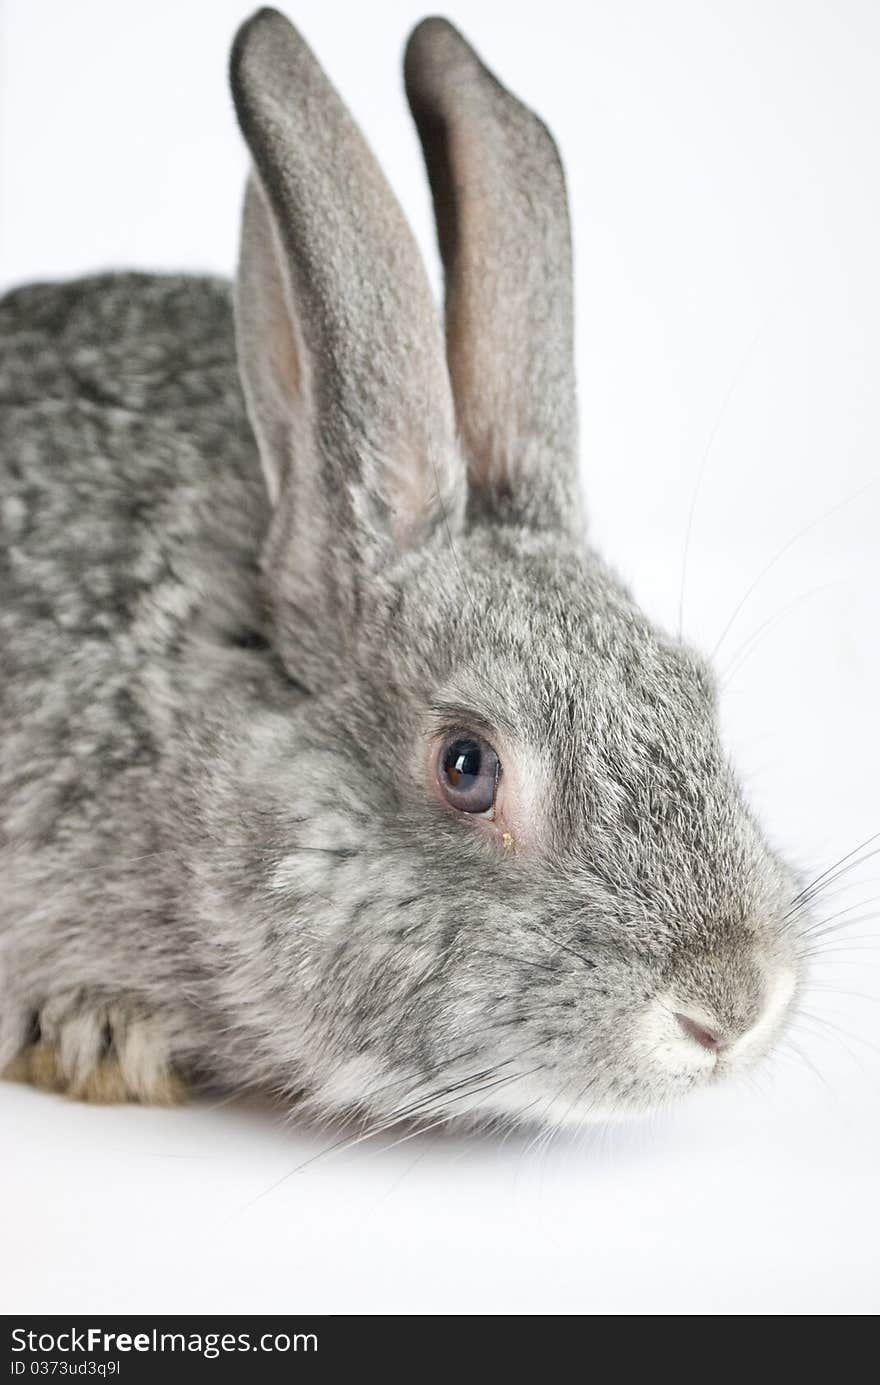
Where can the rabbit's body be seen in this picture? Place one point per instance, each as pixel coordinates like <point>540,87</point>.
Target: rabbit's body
<point>132,512</point>
<point>333,759</point>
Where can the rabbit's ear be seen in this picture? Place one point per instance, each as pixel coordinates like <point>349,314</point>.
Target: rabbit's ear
<point>340,344</point>
<point>502,218</point>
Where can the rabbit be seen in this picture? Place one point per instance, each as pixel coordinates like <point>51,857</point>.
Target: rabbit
<point>335,762</point>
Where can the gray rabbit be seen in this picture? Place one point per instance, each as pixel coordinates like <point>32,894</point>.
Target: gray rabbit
<point>333,760</point>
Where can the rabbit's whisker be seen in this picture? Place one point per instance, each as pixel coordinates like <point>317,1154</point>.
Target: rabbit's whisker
<point>704,461</point>
<point>780,554</point>
<point>839,922</point>
<point>807,1061</point>
<point>453,1092</point>
<point>558,943</point>
<point>836,1031</point>
<point>455,1115</point>
<point>833,873</point>
<point>830,953</point>
<point>747,648</point>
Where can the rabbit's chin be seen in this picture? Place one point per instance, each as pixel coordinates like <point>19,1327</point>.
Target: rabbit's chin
<point>662,1063</point>
<point>655,1062</point>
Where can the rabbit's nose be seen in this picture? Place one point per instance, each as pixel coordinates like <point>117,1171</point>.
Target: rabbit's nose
<point>701,1033</point>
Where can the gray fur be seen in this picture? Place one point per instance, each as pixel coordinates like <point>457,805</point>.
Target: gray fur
<point>215,786</point>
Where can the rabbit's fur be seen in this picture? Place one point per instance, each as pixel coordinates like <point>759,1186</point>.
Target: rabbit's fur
<point>231,638</point>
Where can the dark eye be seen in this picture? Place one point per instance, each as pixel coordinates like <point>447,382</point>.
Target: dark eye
<point>468,771</point>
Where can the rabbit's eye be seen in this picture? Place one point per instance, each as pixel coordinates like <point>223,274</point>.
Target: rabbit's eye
<point>468,771</point>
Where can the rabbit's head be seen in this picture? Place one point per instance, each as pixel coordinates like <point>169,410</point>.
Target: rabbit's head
<point>504,865</point>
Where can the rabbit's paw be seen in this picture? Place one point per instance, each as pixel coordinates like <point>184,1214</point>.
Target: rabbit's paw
<point>92,1051</point>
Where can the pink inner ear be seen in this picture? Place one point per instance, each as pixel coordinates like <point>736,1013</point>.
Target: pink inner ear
<point>272,363</point>
<point>287,353</point>
<point>421,486</point>
<point>483,321</point>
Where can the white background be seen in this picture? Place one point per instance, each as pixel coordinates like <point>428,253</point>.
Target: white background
<point>723,164</point>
